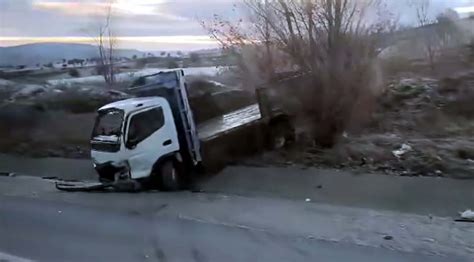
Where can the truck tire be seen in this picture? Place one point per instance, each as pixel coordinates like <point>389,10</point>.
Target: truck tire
<point>281,134</point>
<point>171,179</point>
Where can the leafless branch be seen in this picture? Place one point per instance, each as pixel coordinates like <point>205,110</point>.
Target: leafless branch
<point>328,40</point>
<point>106,44</point>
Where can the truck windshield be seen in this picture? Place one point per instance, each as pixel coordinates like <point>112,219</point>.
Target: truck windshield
<point>108,123</point>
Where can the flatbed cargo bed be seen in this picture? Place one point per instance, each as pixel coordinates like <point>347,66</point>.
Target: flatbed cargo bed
<point>218,126</point>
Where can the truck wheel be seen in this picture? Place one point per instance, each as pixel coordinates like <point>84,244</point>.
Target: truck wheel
<point>280,135</point>
<point>170,176</point>
<point>278,140</point>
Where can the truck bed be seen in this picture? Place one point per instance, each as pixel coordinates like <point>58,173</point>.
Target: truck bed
<point>221,125</point>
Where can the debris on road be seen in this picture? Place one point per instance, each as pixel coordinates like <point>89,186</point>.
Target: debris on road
<point>7,174</point>
<point>388,237</point>
<point>84,186</point>
<point>468,214</point>
<point>429,240</point>
<point>81,186</point>
<point>402,150</point>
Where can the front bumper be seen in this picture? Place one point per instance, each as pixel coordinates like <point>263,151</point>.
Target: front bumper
<point>111,172</point>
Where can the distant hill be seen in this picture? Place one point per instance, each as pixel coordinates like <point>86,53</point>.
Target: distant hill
<point>32,54</point>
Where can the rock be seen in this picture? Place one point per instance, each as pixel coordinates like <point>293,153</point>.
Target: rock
<point>388,237</point>
<point>429,240</point>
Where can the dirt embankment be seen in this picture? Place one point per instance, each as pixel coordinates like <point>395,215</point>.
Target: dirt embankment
<point>423,127</point>
<point>40,120</point>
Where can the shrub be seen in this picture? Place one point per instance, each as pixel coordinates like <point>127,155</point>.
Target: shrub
<point>100,69</point>
<point>470,49</point>
<point>75,102</point>
<point>395,65</point>
<point>172,64</point>
<point>462,104</point>
<point>333,43</point>
<point>74,72</point>
<point>195,57</point>
<point>141,63</point>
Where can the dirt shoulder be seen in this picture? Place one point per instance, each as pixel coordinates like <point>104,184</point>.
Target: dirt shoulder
<point>422,127</point>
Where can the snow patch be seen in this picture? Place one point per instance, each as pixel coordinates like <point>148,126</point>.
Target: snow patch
<point>129,76</point>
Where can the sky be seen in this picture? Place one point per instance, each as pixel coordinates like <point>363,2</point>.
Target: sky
<point>147,25</point>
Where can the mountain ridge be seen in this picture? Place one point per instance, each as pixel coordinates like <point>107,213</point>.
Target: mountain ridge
<point>42,53</point>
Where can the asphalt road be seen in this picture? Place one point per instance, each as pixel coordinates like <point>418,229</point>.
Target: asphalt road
<point>417,195</point>
<point>243,214</point>
<point>41,230</point>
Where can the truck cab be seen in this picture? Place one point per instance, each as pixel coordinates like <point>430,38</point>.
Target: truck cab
<point>151,139</point>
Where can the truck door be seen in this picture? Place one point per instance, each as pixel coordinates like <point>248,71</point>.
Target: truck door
<point>151,134</point>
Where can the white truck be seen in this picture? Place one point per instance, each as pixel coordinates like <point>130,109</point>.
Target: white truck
<point>153,140</point>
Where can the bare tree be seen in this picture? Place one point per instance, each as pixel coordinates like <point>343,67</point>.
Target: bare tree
<point>435,32</point>
<point>422,9</point>
<point>428,38</point>
<point>448,33</point>
<point>470,51</point>
<point>330,41</point>
<point>106,43</point>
